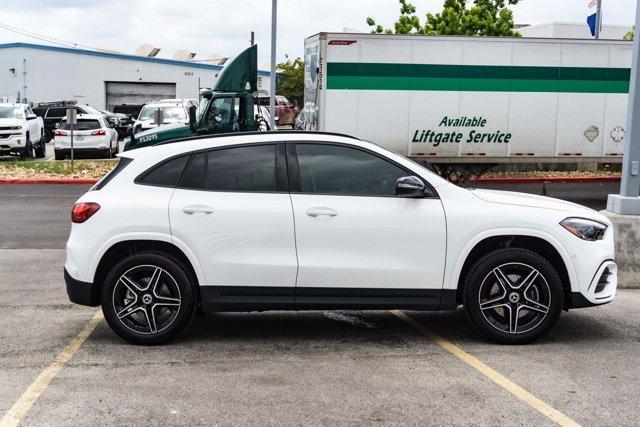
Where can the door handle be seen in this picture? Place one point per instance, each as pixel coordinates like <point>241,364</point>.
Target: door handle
<point>197,210</point>
<point>315,212</point>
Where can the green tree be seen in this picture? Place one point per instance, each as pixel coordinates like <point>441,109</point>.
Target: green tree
<point>630,34</point>
<point>290,81</point>
<point>484,18</point>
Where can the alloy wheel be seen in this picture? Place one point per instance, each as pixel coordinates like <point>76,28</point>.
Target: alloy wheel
<point>146,299</point>
<point>514,298</point>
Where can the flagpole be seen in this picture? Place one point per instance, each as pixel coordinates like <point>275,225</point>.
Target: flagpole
<point>598,19</point>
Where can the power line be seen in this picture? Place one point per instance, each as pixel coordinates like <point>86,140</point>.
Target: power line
<point>43,37</point>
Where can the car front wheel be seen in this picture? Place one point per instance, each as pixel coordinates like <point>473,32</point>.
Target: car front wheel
<point>148,299</point>
<point>513,296</point>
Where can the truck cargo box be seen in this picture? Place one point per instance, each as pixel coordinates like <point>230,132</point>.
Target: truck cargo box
<point>471,99</point>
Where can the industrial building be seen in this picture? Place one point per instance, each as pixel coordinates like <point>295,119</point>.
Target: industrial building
<point>37,73</point>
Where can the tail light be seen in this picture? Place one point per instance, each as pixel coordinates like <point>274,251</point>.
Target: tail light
<point>100,132</point>
<point>83,211</point>
<point>59,133</point>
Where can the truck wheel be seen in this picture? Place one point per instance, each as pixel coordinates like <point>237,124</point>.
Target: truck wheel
<point>27,151</point>
<point>513,296</point>
<point>40,149</point>
<point>58,155</point>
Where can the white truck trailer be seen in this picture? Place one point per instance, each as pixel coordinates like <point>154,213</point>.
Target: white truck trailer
<point>470,102</point>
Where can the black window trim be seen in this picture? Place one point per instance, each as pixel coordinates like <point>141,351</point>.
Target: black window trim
<point>282,184</point>
<point>295,186</point>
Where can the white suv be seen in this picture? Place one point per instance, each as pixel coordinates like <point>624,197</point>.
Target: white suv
<point>91,135</point>
<point>315,221</point>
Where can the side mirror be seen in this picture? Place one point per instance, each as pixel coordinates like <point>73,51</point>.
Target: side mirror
<point>130,131</point>
<point>410,186</point>
<point>192,118</point>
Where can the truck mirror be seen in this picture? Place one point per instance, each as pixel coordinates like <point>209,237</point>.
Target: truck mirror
<point>192,118</point>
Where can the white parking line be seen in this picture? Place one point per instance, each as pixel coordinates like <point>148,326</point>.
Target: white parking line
<point>522,394</point>
<point>19,409</point>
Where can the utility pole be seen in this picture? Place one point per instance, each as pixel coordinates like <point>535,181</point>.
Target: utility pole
<point>628,201</point>
<point>598,19</point>
<point>272,86</point>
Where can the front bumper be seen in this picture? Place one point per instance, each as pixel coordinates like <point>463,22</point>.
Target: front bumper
<point>82,293</point>
<point>12,143</point>
<point>602,288</point>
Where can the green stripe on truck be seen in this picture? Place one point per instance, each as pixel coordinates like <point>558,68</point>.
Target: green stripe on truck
<point>371,76</point>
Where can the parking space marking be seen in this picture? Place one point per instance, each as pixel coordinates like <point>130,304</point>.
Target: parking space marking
<point>488,372</point>
<point>19,409</point>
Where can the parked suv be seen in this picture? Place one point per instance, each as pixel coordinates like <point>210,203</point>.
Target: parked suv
<point>91,135</point>
<point>313,221</point>
<point>21,131</point>
<point>53,112</point>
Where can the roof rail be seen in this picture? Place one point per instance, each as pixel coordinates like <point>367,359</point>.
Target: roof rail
<point>221,135</point>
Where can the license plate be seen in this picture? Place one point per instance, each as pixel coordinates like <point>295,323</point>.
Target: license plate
<point>78,138</point>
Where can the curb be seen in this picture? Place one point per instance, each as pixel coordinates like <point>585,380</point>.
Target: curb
<point>62,181</point>
<point>546,180</point>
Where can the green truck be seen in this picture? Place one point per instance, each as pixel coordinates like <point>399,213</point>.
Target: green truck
<point>228,107</point>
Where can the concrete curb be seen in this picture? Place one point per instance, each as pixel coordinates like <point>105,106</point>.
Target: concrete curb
<point>546,180</point>
<point>62,181</point>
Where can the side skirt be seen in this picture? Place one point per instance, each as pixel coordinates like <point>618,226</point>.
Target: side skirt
<point>263,298</point>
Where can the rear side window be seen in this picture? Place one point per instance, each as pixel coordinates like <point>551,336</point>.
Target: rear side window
<point>83,124</point>
<point>166,174</point>
<point>241,169</point>
<point>124,161</point>
<point>57,112</point>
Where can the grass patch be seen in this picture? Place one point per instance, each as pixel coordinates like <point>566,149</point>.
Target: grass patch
<point>59,169</point>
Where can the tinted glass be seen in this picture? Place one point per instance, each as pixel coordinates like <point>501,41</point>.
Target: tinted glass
<point>195,176</point>
<point>83,124</point>
<point>166,174</point>
<point>333,169</point>
<point>244,169</point>
<point>57,112</point>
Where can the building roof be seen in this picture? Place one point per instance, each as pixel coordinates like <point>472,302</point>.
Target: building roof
<point>121,56</point>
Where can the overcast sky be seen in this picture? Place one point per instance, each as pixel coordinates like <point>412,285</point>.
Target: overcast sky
<point>222,27</point>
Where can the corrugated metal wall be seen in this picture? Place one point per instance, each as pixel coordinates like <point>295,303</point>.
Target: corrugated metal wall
<point>58,75</point>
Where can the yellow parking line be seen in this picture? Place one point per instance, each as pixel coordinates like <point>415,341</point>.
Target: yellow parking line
<point>490,373</point>
<point>21,407</point>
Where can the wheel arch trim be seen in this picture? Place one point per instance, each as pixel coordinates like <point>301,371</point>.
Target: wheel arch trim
<point>162,237</point>
<point>452,277</point>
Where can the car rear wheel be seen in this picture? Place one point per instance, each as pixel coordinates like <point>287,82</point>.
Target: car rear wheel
<point>148,299</point>
<point>513,296</point>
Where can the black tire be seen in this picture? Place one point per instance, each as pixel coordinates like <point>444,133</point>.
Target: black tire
<point>27,151</point>
<point>170,305</point>
<point>40,150</point>
<point>512,314</point>
<point>58,155</point>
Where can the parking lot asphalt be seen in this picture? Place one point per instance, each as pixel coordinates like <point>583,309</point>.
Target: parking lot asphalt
<point>290,368</point>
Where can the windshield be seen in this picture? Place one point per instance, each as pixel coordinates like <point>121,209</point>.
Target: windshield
<point>10,113</point>
<point>170,113</point>
<point>90,110</point>
<point>202,107</point>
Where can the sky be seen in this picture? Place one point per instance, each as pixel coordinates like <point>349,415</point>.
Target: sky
<point>219,27</point>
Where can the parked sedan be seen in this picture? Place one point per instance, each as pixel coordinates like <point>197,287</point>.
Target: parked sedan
<point>313,221</point>
<point>91,135</point>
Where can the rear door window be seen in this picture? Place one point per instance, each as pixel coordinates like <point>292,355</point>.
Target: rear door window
<point>57,112</point>
<point>239,169</point>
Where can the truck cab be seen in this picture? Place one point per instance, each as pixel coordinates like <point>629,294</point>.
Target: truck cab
<point>228,107</point>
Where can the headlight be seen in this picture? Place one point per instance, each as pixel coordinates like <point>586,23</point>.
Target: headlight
<point>585,229</point>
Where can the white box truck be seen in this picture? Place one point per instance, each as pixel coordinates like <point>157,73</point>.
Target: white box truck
<point>467,101</point>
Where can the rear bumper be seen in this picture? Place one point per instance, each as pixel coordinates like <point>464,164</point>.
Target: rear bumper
<point>82,293</point>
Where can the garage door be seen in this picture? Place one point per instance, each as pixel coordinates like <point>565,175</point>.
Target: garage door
<point>119,93</point>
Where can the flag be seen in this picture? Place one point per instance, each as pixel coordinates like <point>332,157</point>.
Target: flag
<point>592,13</point>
